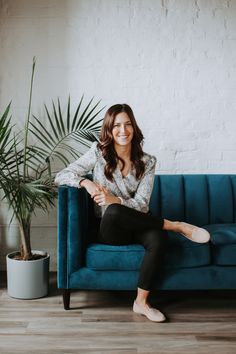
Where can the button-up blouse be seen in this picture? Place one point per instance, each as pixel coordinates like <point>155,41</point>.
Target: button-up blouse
<point>135,192</point>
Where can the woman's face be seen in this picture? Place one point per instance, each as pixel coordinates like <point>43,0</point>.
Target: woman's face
<point>122,130</point>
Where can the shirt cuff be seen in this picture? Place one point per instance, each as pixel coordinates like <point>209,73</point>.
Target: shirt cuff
<point>121,200</point>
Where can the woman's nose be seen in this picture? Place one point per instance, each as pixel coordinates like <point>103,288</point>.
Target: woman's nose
<point>122,128</point>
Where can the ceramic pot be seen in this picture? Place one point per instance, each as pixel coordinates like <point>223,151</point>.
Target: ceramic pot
<point>27,279</point>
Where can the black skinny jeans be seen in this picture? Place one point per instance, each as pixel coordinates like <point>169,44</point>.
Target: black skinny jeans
<point>121,225</point>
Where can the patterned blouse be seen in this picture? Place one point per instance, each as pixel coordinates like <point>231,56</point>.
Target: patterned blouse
<point>134,193</point>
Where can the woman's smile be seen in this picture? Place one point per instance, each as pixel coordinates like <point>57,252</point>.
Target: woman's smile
<point>122,129</point>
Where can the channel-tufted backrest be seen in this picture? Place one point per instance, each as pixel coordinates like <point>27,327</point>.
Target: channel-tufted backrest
<point>197,199</point>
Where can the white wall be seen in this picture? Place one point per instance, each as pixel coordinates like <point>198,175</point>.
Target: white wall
<point>174,62</point>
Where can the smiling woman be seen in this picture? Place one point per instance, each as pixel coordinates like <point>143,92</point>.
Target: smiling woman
<point>122,133</point>
<point>123,176</point>
<point>122,130</point>
<point>121,141</point>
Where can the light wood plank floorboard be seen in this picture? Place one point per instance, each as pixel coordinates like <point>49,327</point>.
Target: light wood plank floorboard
<point>102,322</point>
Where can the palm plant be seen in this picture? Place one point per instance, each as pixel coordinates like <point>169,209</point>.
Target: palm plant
<point>27,169</point>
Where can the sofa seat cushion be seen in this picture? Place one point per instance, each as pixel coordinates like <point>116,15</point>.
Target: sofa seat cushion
<point>107,257</point>
<point>223,239</point>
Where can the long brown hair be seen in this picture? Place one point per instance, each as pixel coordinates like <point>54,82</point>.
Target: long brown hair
<point>107,145</point>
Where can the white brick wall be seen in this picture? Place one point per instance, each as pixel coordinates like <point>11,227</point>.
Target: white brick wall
<point>174,62</point>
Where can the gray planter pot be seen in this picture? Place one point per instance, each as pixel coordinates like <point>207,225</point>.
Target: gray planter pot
<point>27,279</point>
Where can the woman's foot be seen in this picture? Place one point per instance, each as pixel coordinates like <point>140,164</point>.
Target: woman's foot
<point>151,313</point>
<point>194,233</point>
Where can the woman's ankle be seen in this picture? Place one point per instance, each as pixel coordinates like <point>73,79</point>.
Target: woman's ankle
<point>172,225</point>
<point>142,296</point>
<point>143,303</point>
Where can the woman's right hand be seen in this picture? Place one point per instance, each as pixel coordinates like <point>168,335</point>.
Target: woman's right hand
<point>91,187</point>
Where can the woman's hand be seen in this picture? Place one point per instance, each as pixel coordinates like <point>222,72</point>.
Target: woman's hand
<point>104,197</point>
<point>91,187</point>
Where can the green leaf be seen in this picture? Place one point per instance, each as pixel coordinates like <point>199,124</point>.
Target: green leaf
<point>68,115</point>
<point>80,123</point>
<point>74,122</point>
<point>46,135</point>
<point>51,123</point>
<point>60,117</point>
<point>57,120</point>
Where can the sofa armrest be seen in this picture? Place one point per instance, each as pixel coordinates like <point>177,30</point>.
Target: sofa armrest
<point>72,231</point>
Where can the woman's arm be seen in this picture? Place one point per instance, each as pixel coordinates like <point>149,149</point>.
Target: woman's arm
<point>103,197</point>
<point>75,172</point>
<point>142,196</point>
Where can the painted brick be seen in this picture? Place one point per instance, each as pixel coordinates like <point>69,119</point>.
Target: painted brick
<point>172,61</point>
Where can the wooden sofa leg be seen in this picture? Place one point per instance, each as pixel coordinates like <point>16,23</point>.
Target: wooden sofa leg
<point>66,298</point>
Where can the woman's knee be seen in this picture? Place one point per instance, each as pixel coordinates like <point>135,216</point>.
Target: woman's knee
<point>156,240</point>
<point>110,218</point>
<point>113,211</point>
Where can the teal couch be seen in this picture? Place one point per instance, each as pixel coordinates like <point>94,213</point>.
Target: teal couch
<point>204,200</point>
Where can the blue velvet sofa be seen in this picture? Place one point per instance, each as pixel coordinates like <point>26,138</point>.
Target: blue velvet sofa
<point>204,200</point>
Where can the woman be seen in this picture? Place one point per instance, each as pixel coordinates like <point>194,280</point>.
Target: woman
<point>122,184</point>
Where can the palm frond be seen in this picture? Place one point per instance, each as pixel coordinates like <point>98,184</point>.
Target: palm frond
<point>60,117</point>
<point>5,130</point>
<point>75,118</point>
<point>88,135</point>
<point>54,131</point>
<point>68,115</point>
<point>59,128</point>
<point>83,117</point>
<point>66,130</point>
<point>42,136</point>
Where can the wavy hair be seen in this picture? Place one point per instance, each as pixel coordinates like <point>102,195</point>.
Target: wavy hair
<point>106,144</point>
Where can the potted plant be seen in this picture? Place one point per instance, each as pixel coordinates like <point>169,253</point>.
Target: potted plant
<point>27,168</point>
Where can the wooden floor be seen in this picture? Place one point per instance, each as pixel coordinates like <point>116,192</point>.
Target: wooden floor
<point>102,322</point>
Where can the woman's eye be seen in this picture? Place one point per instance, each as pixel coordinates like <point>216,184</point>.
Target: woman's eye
<point>119,125</point>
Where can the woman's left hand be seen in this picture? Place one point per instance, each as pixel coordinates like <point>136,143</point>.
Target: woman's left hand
<point>104,197</point>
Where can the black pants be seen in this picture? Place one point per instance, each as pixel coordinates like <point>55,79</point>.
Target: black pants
<point>121,225</point>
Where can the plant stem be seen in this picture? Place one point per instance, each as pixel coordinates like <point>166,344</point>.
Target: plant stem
<point>28,119</point>
<point>25,240</point>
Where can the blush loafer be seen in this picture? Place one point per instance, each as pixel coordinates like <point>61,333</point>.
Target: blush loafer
<point>151,313</point>
<point>198,234</point>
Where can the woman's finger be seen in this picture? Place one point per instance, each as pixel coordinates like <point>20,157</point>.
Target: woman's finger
<point>98,198</point>
<point>99,186</point>
<point>96,192</point>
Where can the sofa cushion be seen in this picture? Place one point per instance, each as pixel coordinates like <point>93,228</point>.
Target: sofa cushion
<point>222,234</point>
<point>224,255</point>
<point>107,257</point>
<point>223,239</point>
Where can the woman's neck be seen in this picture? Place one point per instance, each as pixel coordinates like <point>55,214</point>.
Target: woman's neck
<point>123,151</point>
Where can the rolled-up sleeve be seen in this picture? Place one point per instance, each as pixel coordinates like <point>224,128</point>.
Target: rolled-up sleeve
<point>142,196</point>
<point>75,172</point>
